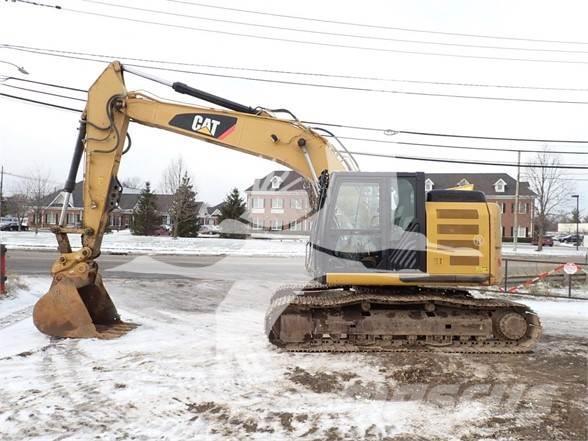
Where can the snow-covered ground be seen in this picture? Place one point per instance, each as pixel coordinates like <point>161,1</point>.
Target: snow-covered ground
<point>125,242</point>
<point>271,245</point>
<point>199,367</point>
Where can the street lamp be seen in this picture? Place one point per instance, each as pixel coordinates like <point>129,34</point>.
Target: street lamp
<point>21,69</point>
<point>577,196</point>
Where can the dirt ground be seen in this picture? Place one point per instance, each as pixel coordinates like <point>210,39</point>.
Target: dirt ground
<point>199,367</point>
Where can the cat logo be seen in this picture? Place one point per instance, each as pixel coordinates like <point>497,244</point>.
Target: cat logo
<point>215,126</point>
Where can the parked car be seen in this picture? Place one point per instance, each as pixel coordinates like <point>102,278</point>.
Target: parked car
<point>547,241</point>
<point>162,230</point>
<point>572,238</point>
<point>209,230</point>
<point>13,226</point>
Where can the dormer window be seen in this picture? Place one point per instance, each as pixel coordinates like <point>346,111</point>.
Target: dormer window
<point>276,182</point>
<point>429,185</point>
<point>499,186</point>
<point>463,182</point>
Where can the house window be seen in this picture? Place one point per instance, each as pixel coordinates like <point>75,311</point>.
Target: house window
<point>296,226</point>
<point>258,203</point>
<point>276,182</point>
<point>522,231</point>
<point>429,185</point>
<point>512,207</point>
<point>276,224</point>
<point>277,203</point>
<point>257,223</point>
<point>523,208</point>
<point>296,203</point>
<point>503,207</point>
<point>499,186</point>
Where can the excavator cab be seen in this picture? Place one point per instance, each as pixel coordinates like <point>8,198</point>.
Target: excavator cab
<point>371,222</point>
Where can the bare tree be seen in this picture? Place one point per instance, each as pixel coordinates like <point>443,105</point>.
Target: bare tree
<point>552,190</point>
<point>133,182</point>
<point>37,188</point>
<point>174,176</point>
<point>17,206</point>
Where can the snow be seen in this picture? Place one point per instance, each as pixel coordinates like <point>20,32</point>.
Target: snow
<point>259,245</point>
<point>527,250</point>
<point>125,242</point>
<point>199,367</point>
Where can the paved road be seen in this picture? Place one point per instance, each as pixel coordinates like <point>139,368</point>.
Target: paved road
<point>208,267</point>
<point>149,267</point>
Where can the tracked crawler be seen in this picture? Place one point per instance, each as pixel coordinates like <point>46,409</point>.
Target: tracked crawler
<point>322,319</point>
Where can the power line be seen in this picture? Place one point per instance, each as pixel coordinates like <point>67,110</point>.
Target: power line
<point>381,141</point>
<point>289,72</point>
<point>43,92</point>
<point>55,53</point>
<point>446,135</point>
<point>44,84</point>
<point>372,26</point>
<point>354,127</point>
<point>336,34</point>
<point>29,178</point>
<point>463,161</point>
<point>414,158</point>
<point>458,147</point>
<point>318,43</point>
<point>43,103</point>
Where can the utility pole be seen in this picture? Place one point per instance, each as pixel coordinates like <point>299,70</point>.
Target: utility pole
<point>577,197</point>
<point>1,186</point>
<point>515,228</point>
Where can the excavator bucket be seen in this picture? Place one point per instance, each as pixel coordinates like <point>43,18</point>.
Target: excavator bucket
<point>86,312</point>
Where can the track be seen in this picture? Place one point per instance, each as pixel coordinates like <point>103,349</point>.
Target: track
<point>315,318</point>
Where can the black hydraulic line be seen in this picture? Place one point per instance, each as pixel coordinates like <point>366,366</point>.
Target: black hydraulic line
<point>76,159</point>
<point>209,97</point>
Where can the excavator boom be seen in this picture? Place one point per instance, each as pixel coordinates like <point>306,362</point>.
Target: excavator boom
<point>77,304</point>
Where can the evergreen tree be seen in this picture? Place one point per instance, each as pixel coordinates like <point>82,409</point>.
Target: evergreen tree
<point>233,206</point>
<point>145,217</point>
<point>231,212</point>
<point>184,210</point>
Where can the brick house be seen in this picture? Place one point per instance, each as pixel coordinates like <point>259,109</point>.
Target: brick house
<point>499,188</point>
<point>277,200</point>
<point>120,217</point>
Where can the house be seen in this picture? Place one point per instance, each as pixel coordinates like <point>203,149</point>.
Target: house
<point>499,188</point>
<point>212,215</point>
<point>279,201</point>
<point>280,198</point>
<point>119,219</point>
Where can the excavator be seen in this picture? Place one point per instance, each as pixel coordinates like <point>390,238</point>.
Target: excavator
<point>391,265</point>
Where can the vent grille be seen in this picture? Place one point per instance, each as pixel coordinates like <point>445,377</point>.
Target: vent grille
<point>458,229</point>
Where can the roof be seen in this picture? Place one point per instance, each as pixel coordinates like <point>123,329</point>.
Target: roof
<point>483,182</point>
<point>211,209</point>
<point>290,181</point>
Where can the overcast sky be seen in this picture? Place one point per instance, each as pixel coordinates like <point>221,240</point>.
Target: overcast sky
<point>36,137</point>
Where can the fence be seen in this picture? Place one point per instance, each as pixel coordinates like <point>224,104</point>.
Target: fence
<point>545,278</point>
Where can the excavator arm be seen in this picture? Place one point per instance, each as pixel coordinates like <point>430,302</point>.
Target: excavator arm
<point>77,304</point>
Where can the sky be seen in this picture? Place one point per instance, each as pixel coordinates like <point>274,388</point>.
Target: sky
<point>34,137</point>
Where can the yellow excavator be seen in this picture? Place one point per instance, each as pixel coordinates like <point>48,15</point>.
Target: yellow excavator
<point>390,262</point>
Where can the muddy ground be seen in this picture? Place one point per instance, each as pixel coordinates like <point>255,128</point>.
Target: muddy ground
<point>199,367</point>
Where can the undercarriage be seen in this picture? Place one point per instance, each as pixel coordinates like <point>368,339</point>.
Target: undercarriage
<point>316,318</point>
